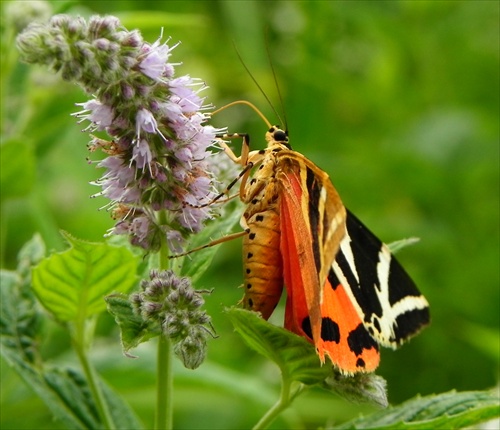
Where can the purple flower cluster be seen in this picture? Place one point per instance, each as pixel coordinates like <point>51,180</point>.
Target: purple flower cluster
<point>174,306</point>
<point>158,160</point>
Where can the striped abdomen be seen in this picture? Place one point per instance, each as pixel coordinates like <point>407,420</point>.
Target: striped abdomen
<point>262,264</point>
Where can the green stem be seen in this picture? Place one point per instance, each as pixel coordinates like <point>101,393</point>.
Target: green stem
<point>95,389</point>
<point>165,387</point>
<point>164,393</point>
<point>278,407</point>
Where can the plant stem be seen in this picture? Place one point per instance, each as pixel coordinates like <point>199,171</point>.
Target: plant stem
<point>164,391</point>
<point>95,389</point>
<point>165,387</point>
<point>278,407</point>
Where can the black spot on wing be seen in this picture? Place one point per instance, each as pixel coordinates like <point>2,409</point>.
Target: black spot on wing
<point>330,331</point>
<point>359,339</point>
<point>409,323</point>
<point>306,326</point>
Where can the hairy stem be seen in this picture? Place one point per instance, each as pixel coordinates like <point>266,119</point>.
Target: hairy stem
<point>165,387</point>
<point>164,392</point>
<point>92,380</point>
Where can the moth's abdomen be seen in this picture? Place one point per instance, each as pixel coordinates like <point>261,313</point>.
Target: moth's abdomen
<point>262,264</point>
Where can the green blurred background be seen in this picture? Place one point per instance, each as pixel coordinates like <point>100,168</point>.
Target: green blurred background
<point>398,101</point>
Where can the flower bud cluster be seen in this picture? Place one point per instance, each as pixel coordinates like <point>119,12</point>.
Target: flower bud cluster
<point>158,158</point>
<point>175,306</point>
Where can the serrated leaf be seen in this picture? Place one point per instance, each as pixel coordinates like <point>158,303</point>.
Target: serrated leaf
<point>296,358</point>
<point>17,168</point>
<point>359,388</point>
<point>19,317</point>
<point>73,283</point>
<point>450,410</point>
<point>133,329</point>
<point>35,380</point>
<point>64,391</point>
<point>67,395</point>
<point>71,388</point>
<point>194,265</point>
<point>19,329</point>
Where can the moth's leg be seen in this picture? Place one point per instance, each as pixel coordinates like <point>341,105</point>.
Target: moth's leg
<point>212,243</point>
<point>242,159</point>
<point>245,149</point>
<point>254,159</point>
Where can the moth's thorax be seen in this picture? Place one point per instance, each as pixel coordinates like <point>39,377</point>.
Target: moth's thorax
<point>261,192</point>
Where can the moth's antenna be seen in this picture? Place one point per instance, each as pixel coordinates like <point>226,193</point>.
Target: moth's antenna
<point>244,102</point>
<point>256,83</point>
<point>276,82</point>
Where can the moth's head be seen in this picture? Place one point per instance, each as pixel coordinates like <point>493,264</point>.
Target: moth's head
<point>275,135</point>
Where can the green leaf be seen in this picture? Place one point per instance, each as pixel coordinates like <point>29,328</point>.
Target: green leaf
<point>359,388</point>
<point>133,329</point>
<point>398,245</point>
<point>67,395</point>
<point>72,284</point>
<point>71,388</point>
<point>30,254</point>
<point>17,168</point>
<point>296,358</point>
<point>194,265</point>
<point>19,317</point>
<point>450,410</point>
<point>34,378</point>
<point>64,391</point>
<point>19,324</point>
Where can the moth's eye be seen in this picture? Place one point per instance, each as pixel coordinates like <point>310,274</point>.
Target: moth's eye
<point>280,136</point>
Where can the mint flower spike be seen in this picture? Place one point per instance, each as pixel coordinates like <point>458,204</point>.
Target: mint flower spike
<point>158,157</point>
<point>174,306</point>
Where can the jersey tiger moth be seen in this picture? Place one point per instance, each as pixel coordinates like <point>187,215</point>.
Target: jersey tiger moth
<point>346,293</point>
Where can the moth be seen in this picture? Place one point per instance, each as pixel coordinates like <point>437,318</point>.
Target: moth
<point>346,293</point>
